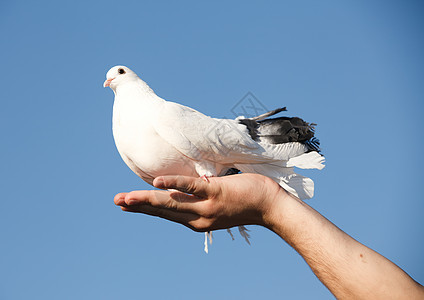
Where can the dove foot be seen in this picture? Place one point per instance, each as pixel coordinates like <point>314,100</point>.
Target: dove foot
<point>208,234</point>
<point>205,178</point>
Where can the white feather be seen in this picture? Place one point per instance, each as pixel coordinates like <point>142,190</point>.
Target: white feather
<point>156,137</point>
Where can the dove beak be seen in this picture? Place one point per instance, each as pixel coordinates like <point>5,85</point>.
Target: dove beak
<point>107,82</point>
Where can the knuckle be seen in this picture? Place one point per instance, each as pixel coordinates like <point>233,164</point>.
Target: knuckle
<point>153,200</point>
<point>131,195</point>
<point>171,204</point>
<point>180,181</point>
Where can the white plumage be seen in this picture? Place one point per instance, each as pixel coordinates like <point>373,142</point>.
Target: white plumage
<point>156,137</point>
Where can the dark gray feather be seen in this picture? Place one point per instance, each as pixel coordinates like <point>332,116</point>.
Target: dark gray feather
<point>282,130</point>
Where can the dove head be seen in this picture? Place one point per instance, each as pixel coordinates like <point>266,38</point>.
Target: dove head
<point>118,75</point>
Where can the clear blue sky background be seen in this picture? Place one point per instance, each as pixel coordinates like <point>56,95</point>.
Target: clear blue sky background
<point>354,68</point>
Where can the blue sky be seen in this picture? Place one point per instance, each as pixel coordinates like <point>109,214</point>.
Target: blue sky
<point>354,68</point>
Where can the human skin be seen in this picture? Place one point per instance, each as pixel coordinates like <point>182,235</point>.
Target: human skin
<point>349,269</point>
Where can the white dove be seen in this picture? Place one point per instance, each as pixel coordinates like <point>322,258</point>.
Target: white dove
<point>156,137</point>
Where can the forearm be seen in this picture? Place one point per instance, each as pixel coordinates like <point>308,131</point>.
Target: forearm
<point>348,268</point>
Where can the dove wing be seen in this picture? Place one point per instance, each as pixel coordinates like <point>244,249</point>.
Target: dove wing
<point>200,137</point>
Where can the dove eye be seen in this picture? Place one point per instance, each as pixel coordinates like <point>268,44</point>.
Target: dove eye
<point>121,71</point>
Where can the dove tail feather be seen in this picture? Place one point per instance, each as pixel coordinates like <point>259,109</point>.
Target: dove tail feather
<point>313,144</point>
<point>281,130</point>
<point>309,160</point>
<point>269,114</point>
<point>298,185</point>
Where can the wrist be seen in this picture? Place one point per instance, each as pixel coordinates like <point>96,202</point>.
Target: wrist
<point>281,212</point>
<point>272,206</point>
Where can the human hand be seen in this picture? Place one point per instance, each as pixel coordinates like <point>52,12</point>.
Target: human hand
<point>223,202</point>
<point>348,268</point>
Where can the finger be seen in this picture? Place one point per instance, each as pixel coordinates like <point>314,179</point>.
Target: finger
<point>175,201</point>
<point>186,184</point>
<point>186,219</point>
<point>119,199</point>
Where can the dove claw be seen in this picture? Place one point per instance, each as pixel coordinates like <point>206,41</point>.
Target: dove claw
<point>205,178</point>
